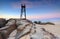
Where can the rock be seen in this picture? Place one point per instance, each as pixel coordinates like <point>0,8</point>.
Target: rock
<point>23,27</point>
<point>0,36</point>
<point>26,27</point>
<point>2,22</point>
<point>9,27</point>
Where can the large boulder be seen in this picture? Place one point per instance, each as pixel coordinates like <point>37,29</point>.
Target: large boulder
<point>9,27</point>
<point>2,22</point>
<point>26,27</point>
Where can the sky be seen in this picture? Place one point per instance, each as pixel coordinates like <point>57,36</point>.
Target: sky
<point>43,10</point>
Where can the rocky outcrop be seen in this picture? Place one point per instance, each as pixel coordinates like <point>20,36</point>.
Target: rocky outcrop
<point>9,27</point>
<point>34,31</point>
<point>2,22</point>
<point>39,32</point>
<point>25,27</point>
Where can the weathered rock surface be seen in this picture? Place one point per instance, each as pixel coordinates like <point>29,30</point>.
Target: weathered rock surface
<point>9,27</point>
<point>26,27</point>
<point>2,22</point>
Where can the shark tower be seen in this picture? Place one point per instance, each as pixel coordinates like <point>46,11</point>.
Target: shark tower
<point>23,11</point>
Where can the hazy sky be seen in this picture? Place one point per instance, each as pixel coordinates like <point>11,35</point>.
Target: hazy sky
<point>44,10</point>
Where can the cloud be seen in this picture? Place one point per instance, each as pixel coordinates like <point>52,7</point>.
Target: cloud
<point>8,16</point>
<point>44,16</point>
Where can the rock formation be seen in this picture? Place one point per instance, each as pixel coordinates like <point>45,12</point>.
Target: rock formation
<point>24,27</point>
<point>2,22</point>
